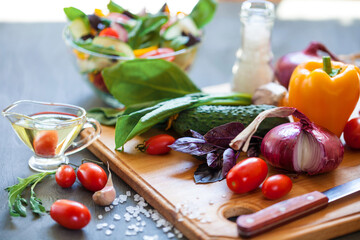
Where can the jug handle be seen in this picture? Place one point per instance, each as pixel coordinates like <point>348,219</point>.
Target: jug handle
<point>89,139</point>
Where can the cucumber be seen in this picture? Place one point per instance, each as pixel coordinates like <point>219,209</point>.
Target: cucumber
<point>117,44</point>
<point>186,25</point>
<point>79,28</point>
<point>203,118</point>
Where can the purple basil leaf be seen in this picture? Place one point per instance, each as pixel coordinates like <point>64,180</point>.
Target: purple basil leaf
<point>254,147</point>
<point>212,159</point>
<point>229,160</point>
<point>193,146</point>
<point>196,134</point>
<point>206,174</point>
<point>223,134</point>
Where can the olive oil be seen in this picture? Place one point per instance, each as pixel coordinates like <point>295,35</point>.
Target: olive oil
<point>48,134</point>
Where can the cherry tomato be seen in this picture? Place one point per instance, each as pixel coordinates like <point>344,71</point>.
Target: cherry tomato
<point>247,175</point>
<point>276,186</point>
<point>65,176</point>
<point>92,176</point>
<point>158,144</point>
<point>70,214</point>
<point>352,133</point>
<point>45,143</point>
<point>160,51</point>
<point>108,32</point>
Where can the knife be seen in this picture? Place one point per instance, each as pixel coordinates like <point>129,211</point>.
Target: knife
<point>288,210</point>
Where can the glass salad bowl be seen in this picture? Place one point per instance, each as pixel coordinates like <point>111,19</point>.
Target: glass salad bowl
<point>98,42</point>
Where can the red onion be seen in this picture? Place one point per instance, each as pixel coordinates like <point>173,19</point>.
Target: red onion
<point>287,63</point>
<point>301,147</point>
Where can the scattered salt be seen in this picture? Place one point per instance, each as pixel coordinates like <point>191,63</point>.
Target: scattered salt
<point>117,217</point>
<point>128,193</point>
<point>107,209</point>
<point>111,206</point>
<point>112,226</point>
<point>100,216</point>
<point>155,237</point>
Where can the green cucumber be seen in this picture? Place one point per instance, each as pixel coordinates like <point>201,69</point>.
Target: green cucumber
<point>203,118</point>
<point>186,25</point>
<point>117,44</point>
<point>78,28</point>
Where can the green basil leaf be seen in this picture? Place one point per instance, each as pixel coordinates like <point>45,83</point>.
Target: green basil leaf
<point>113,7</point>
<point>203,12</point>
<point>143,80</point>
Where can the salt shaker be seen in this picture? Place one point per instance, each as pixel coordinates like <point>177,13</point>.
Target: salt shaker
<point>253,64</point>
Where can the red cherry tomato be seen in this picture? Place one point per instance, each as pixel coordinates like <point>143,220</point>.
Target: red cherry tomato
<point>108,32</point>
<point>70,214</point>
<point>92,176</point>
<point>45,143</point>
<point>158,144</point>
<point>247,175</point>
<point>65,176</point>
<point>160,51</point>
<point>352,133</point>
<point>276,186</point>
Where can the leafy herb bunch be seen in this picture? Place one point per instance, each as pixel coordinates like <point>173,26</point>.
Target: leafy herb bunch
<point>214,148</point>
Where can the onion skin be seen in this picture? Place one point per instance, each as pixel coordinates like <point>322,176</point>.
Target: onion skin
<point>279,143</point>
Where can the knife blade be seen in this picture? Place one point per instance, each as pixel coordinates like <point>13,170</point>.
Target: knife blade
<point>288,210</point>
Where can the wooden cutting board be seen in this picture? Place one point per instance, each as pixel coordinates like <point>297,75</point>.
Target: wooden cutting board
<point>201,211</point>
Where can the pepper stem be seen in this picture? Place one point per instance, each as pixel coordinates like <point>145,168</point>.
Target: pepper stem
<point>327,64</point>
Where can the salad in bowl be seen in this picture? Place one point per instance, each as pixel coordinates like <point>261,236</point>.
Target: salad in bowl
<point>101,40</point>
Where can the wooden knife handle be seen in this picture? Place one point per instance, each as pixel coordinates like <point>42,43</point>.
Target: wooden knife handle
<point>279,213</point>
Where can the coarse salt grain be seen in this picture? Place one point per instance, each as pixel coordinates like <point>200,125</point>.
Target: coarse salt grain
<point>105,224</point>
<point>111,206</point>
<point>99,226</point>
<point>179,235</point>
<point>112,226</point>
<point>117,217</point>
<point>170,235</point>
<point>155,237</point>
<point>100,216</point>
<point>128,193</point>
<point>107,209</point>
<point>108,232</point>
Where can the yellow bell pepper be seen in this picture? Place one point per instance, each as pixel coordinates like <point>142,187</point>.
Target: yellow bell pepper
<point>326,92</point>
<point>142,51</point>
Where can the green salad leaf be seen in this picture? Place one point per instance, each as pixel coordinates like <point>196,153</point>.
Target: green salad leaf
<point>73,13</point>
<point>106,116</point>
<point>146,32</point>
<point>144,80</point>
<point>203,12</point>
<point>89,45</point>
<point>113,7</point>
<point>135,123</point>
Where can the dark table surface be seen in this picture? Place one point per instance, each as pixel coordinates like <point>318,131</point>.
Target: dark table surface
<point>35,64</point>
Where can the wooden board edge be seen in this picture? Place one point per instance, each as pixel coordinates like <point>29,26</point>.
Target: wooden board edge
<point>344,225</point>
<point>151,195</point>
